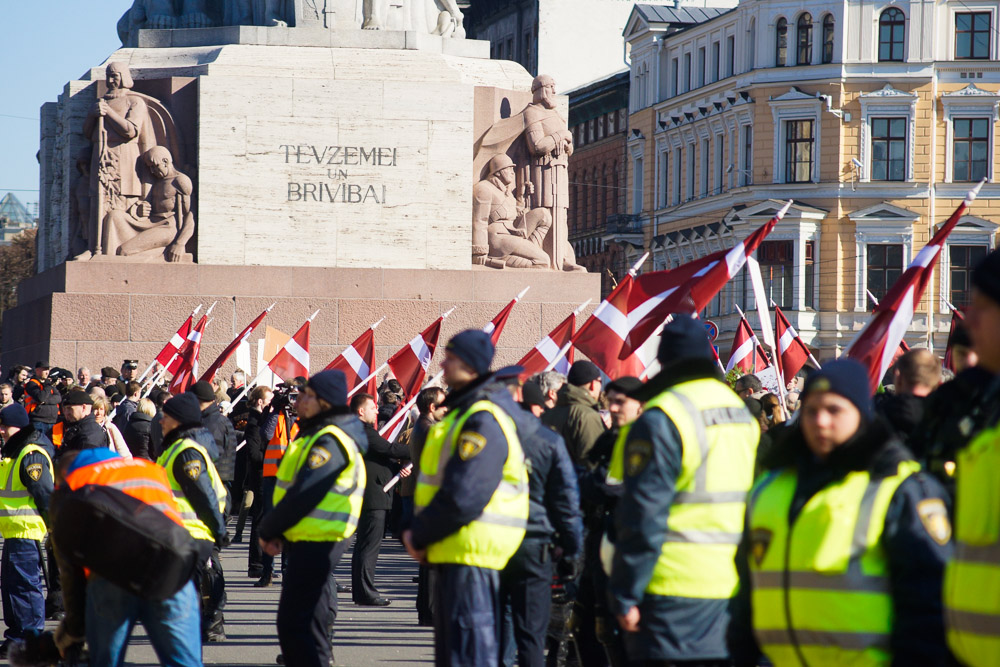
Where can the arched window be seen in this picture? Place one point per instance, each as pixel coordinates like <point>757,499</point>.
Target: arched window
<point>751,44</point>
<point>780,42</point>
<point>828,38</point>
<point>804,40</point>
<point>891,34</point>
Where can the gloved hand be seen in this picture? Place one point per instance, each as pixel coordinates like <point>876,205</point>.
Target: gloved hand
<point>569,568</point>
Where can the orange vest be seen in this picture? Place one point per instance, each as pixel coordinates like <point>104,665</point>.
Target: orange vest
<point>141,479</point>
<point>277,445</point>
<point>29,403</point>
<point>57,434</point>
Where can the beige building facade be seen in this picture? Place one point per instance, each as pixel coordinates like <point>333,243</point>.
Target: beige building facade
<point>875,118</point>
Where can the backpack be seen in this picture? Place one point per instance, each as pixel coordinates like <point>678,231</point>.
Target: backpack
<point>131,544</point>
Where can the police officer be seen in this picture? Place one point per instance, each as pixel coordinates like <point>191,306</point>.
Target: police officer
<point>317,502</point>
<point>973,577</point>
<point>554,533</point>
<point>201,498</point>
<point>26,479</point>
<point>471,502</point>
<point>845,540</point>
<point>686,465</point>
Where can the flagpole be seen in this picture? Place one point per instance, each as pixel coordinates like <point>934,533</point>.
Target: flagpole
<point>565,348</point>
<point>363,382</point>
<point>409,404</point>
<point>635,267</point>
<point>153,362</point>
<point>523,292</point>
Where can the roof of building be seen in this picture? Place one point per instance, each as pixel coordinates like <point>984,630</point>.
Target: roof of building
<point>598,97</point>
<point>13,212</point>
<point>671,14</point>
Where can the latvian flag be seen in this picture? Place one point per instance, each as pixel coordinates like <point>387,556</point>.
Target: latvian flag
<point>186,361</point>
<point>292,360</point>
<point>793,352</point>
<point>410,364</point>
<point>173,346</point>
<point>357,361</point>
<point>549,348</point>
<point>747,353</point>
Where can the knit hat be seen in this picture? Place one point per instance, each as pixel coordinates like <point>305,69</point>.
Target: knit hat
<point>14,415</point>
<point>844,377</point>
<point>986,276</point>
<point>583,372</point>
<point>475,348</point>
<point>532,395</point>
<point>624,385</point>
<point>77,397</point>
<point>331,386</point>
<point>185,408</point>
<point>683,338</point>
<point>203,391</point>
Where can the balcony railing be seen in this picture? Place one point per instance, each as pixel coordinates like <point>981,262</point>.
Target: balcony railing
<point>624,223</point>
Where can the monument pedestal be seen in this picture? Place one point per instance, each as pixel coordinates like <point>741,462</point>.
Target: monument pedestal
<point>97,313</point>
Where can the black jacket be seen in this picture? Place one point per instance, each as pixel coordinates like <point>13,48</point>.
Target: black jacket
<point>904,413</point>
<point>47,399</point>
<point>380,468</point>
<point>84,434</point>
<point>916,560</point>
<point>311,484</point>
<point>136,435</point>
<point>224,436</point>
<point>123,413</point>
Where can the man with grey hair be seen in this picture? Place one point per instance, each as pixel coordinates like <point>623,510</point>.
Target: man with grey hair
<point>550,382</point>
<point>83,377</point>
<point>747,385</point>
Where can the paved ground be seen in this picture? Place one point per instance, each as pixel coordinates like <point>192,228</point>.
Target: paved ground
<point>365,635</point>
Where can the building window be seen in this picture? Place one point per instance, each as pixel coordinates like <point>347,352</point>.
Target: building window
<point>970,148</point>
<point>678,158</point>
<point>963,258</point>
<point>664,182</point>
<point>972,35</point>
<point>777,268</point>
<point>828,38</point>
<point>690,172</point>
<point>885,265</point>
<point>888,149</point>
<point>804,40</point>
<point>637,191</point>
<point>798,151</point>
<point>891,33</point>
<point>687,72</point>
<point>751,44</point>
<point>716,63</point>
<point>719,170</point>
<point>809,262</point>
<point>705,163</point>
<point>780,42</point>
<point>701,66</point>
<point>674,81</point>
<point>746,174</point>
<point>730,55</point>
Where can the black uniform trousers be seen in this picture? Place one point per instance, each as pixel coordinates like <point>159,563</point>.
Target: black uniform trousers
<point>526,601</point>
<point>466,616</point>
<point>371,528</point>
<point>308,604</point>
<point>210,581</point>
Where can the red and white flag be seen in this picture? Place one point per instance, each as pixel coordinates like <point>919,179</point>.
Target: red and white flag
<point>747,353</point>
<point>185,366</point>
<point>550,348</point>
<point>792,351</point>
<point>957,319</point>
<point>410,364</point>
<point>231,348</point>
<point>292,360</point>
<point>176,341</point>
<point>495,326</point>
<point>357,361</point>
<point>603,334</point>
<point>689,287</point>
<point>876,345</point>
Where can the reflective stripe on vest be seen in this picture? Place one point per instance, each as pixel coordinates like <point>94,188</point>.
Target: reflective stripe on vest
<point>972,577</point>
<point>821,595</point>
<point>19,515</point>
<point>719,440</point>
<point>141,479</point>
<point>336,516</point>
<point>277,445</point>
<point>492,538</point>
<point>189,517</point>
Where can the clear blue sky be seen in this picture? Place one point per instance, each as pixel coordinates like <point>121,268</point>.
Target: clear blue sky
<point>47,43</point>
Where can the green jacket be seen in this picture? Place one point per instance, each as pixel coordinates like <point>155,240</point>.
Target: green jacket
<point>577,420</point>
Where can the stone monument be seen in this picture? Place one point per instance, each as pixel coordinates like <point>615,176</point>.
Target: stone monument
<point>318,153</point>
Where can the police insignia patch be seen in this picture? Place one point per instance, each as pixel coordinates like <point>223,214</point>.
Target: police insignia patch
<point>934,515</point>
<point>637,455</point>
<point>470,444</point>
<point>760,541</point>
<point>317,457</point>
<point>34,471</point>
<point>192,469</point>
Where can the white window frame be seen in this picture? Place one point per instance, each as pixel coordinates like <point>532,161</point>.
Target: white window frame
<point>970,102</point>
<point>887,103</point>
<point>791,106</point>
<point>662,171</point>
<point>876,231</point>
<point>980,234</point>
<point>971,8</point>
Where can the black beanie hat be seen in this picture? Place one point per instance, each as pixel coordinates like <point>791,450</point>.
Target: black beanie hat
<point>683,338</point>
<point>532,395</point>
<point>185,408</point>
<point>986,276</point>
<point>583,372</point>
<point>845,377</point>
<point>475,348</point>
<point>202,391</point>
<point>331,386</point>
<point>626,384</point>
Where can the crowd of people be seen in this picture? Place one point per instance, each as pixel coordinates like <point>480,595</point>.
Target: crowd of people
<point>556,519</point>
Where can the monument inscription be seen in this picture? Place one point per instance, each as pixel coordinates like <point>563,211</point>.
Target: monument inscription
<point>335,189</point>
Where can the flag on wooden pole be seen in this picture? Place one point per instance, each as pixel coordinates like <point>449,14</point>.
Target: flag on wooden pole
<point>292,360</point>
<point>231,348</point>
